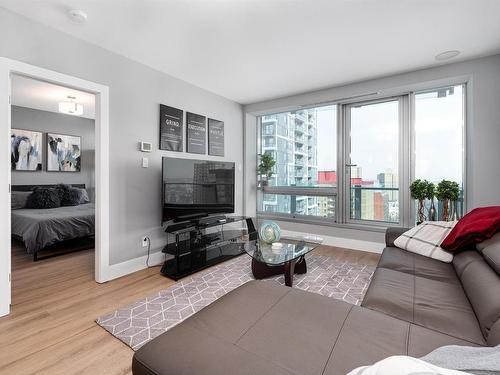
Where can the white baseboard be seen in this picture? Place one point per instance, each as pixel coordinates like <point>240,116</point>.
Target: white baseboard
<point>347,243</point>
<point>133,265</point>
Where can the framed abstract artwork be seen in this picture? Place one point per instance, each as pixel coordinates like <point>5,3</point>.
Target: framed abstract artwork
<point>63,153</point>
<point>26,150</point>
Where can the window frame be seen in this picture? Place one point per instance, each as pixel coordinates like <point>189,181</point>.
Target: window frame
<point>406,162</point>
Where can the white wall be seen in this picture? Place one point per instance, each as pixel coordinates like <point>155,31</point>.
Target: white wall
<point>50,122</point>
<point>135,94</point>
<point>482,138</point>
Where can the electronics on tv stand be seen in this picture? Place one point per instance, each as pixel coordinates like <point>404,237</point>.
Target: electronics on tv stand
<point>198,220</point>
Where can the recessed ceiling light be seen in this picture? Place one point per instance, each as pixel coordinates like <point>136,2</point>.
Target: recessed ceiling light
<point>77,16</point>
<point>446,55</point>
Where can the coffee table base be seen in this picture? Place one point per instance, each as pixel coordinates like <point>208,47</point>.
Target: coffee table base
<point>263,270</point>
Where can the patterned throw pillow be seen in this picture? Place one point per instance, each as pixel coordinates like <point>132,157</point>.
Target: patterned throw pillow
<point>425,239</point>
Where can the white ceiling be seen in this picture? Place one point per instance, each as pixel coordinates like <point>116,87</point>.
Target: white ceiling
<point>31,93</point>
<point>252,50</point>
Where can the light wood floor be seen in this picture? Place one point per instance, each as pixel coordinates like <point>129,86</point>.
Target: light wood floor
<point>51,328</point>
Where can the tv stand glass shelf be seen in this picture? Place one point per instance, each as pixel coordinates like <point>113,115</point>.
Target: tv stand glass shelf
<point>204,242</point>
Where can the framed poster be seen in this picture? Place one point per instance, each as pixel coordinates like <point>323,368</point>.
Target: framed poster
<point>26,150</point>
<point>196,133</point>
<point>63,153</point>
<point>215,137</point>
<point>171,134</point>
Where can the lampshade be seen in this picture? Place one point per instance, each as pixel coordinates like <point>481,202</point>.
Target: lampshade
<point>71,108</point>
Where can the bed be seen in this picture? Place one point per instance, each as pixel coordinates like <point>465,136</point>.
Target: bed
<point>42,228</point>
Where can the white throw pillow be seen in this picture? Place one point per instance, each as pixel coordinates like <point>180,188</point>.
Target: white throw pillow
<point>403,365</point>
<point>425,239</point>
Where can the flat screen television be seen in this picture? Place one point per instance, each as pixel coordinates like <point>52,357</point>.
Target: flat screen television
<point>196,188</point>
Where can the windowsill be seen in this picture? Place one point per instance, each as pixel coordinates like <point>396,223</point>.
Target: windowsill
<point>378,227</point>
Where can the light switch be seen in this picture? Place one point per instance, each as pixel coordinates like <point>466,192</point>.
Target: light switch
<point>145,162</point>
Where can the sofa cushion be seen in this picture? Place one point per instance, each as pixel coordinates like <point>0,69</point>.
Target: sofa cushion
<point>403,261</point>
<point>272,329</point>
<point>490,250</point>
<point>437,305</point>
<point>482,286</point>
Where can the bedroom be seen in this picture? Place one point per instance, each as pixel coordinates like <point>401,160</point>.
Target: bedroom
<point>52,166</point>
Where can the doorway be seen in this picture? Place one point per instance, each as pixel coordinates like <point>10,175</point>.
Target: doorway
<point>8,68</point>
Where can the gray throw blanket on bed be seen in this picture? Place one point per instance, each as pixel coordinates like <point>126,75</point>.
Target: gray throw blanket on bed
<point>479,361</point>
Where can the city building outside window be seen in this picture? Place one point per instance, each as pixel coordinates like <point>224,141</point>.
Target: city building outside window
<point>315,173</point>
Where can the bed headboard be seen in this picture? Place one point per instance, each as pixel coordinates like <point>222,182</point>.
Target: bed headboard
<point>31,187</point>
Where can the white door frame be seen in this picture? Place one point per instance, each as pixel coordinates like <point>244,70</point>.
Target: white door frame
<point>7,68</point>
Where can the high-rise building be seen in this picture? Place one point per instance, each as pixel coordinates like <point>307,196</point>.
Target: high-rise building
<point>291,138</point>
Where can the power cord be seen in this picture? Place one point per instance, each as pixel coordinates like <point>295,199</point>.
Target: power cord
<point>149,249</point>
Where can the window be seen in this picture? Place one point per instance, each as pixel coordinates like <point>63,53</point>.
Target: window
<point>374,161</point>
<point>303,144</point>
<point>362,177</point>
<point>439,140</point>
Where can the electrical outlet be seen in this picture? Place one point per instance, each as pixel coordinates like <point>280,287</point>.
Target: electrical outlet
<point>145,242</point>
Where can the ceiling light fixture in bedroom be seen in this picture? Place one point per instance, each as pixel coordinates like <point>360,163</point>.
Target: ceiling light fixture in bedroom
<point>71,108</point>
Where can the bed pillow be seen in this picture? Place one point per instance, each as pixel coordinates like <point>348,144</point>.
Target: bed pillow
<point>425,239</point>
<point>44,198</point>
<point>478,225</point>
<point>69,195</point>
<point>18,199</point>
<point>84,195</point>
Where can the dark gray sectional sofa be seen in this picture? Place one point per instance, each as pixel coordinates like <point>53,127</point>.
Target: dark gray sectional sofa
<point>413,305</point>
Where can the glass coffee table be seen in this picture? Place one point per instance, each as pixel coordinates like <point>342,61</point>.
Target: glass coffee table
<point>288,260</point>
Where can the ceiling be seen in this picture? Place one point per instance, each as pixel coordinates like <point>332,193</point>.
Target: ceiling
<point>253,50</point>
<point>31,93</point>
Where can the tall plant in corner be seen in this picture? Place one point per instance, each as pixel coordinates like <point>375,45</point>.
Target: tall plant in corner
<point>420,190</point>
<point>447,191</point>
<point>265,167</point>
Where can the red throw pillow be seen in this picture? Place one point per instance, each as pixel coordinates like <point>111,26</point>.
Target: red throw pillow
<point>477,226</point>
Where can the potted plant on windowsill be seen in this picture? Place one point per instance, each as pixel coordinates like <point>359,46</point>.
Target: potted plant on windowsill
<point>431,190</point>
<point>447,191</point>
<point>420,190</point>
<point>265,168</point>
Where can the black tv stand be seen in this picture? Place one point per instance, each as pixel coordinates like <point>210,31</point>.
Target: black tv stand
<point>189,217</point>
<point>203,242</point>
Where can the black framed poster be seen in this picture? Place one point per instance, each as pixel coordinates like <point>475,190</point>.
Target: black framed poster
<point>196,133</point>
<point>215,137</point>
<point>171,133</point>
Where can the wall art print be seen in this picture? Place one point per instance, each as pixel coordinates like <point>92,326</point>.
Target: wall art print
<point>171,129</point>
<point>26,150</point>
<point>63,153</point>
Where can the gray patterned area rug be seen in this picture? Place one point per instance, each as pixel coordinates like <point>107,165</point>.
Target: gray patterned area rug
<point>142,321</point>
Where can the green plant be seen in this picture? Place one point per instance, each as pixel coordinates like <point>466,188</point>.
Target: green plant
<point>266,165</point>
<point>447,191</point>
<point>421,190</point>
<point>430,191</point>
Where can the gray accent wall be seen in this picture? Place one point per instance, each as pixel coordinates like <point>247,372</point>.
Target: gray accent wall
<point>50,122</point>
<point>482,134</point>
<point>135,94</point>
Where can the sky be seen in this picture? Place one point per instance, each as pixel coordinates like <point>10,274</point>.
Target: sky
<point>375,137</point>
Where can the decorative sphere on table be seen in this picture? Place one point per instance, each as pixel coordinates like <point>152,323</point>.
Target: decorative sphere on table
<point>269,232</point>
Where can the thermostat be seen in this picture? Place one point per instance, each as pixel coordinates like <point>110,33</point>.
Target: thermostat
<point>146,147</point>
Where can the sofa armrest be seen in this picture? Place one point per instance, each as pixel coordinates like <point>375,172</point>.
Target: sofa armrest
<point>392,233</point>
